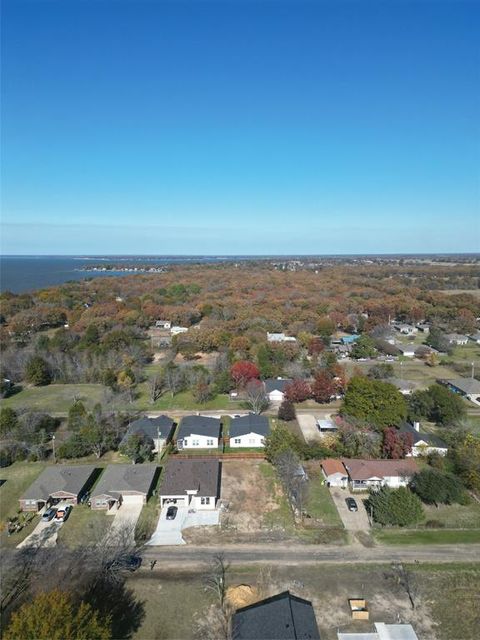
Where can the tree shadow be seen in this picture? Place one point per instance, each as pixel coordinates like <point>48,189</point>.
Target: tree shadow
<point>119,602</point>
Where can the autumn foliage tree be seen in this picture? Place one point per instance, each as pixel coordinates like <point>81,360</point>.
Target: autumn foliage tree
<point>298,390</point>
<point>323,387</point>
<point>396,445</point>
<point>243,371</point>
<point>55,616</point>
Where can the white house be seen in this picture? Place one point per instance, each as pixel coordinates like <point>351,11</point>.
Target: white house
<point>457,339</point>
<point>249,431</point>
<point>407,350</point>
<point>469,388</point>
<point>366,474</point>
<point>334,473</point>
<point>198,432</point>
<point>423,443</point>
<point>163,324</point>
<point>382,631</point>
<point>475,337</point>
<point>275,389</point>
<point>191,483</point>
<point>406,329</point>
<point>280,337</point>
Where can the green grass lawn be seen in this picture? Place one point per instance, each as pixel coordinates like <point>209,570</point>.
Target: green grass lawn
<point>320,504</point>
<point>183,400</point>
<point>148,520</point>
<point>455,516</point>
<point>427,536</point>
<point>83,526</point>
<point>55,398</point>
<point>282,516</point>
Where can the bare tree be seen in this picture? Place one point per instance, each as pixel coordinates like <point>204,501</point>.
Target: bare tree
<point>155,387</point>
<point>256,397</point>
<point>406,580</point>
<point>292,477</point>
<point>215,624</point>
<point>215,580</point>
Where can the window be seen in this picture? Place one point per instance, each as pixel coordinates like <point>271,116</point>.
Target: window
<point>195,443</point>
<point>237,441</point>
<point>205,500</point>
<point>209,443</point>
<point>251,441</point>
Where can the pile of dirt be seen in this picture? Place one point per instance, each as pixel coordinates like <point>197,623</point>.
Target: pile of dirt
<point>241,595</point>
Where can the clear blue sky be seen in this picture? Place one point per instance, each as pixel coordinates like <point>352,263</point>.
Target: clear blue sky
<point>240,127</point>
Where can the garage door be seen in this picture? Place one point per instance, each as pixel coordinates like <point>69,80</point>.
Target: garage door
<point>132,500</point>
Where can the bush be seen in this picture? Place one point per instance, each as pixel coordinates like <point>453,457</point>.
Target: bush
<point>434,486</point>
<point>434,524</point>
<point>398,507</point>
<point>286,411</point>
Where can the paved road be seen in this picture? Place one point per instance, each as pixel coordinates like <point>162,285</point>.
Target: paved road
<point>192,556</point>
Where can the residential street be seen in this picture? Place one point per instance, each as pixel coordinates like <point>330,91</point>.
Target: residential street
<point>190,556</point>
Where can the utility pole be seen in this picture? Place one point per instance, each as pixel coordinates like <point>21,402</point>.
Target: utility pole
<point>53,449</point>
<point>158,444</point>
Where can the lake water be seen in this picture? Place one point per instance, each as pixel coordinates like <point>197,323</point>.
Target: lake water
<point>24,273</point>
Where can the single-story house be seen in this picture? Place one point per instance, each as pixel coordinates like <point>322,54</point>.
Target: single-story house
<point>456,338</point>
<point>475,337</point>
<point>366,474</point>
<point>423,443</point>
<point>249,431</point>
<point>326,425</point>
<point>334,472</point>
<point>407,350</point>
<point>64,483</point>
<point>275,388</point>
<point>281,617</point>
<point>163,324</point>
<point>198,432</point>
<point>406,329</point>
<point>279,337</point>
<point>342,350</point>
<point>423,327</point>
<point>123,484</point>
<point>467,387</point>
<point>405,387</point>
<point>382,632</point>
<point>176,330</point>
<point>156,430</point>
<point>191,483</point>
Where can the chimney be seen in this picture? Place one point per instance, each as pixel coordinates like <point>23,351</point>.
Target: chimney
<point>416,426</point>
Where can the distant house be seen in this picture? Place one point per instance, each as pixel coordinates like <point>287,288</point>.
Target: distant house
<point>475,337</point>
<point>275,388</point>
<point>406,329</point>
<point>334,472</point>
<point>407,350</point>
<point>382,632</point>
<point>249,431</point>
<point>64,483</point>
<point>456,339</point>
<point>163,324</point>
<point>405,387</point>
<point>423,327</point>
<point>191,483</point>
<point>157,430</point>
<point>342,350</point>
<point>423,443</point>
<point>176,330</point>
<point>123,484</point>
<point>281,617</point>
<point>469,388</point>
<point>367,474</point>
<point>350,339</point>
<point>280,337</point>
<point>198,432</point>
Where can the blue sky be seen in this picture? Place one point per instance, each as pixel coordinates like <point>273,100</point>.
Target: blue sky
<point>240,127</point>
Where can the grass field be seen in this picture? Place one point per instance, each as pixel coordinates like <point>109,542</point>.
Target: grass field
<point>427,536</point>
<point>183,400</point>
<point>281,516</point>
<point>83,526</point>
<point>455,516</point>
<point>320,504</point>
<point>55,398</point>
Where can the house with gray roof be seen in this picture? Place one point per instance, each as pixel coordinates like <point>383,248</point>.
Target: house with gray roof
<point>281,617</point>
<point>57,483</point>
<point>275,388</point>
<point>155,430</point>
<point>124,484</point>
<point>249,431</point>
<point>191,483</point>
<point>469,388</point>
<point>198,432</point>
<point>406,387</point>
<point>423,443</point>
<point>457,339</point>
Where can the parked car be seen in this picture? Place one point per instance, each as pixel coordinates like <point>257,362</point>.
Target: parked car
<point>85,497</point>
<point>351,504</point>
<point>49,514</point>
<point>63,513</point>
<point>132,563</point>
<point>171,513</point>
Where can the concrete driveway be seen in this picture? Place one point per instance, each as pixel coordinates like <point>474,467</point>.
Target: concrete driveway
<point>169,532</point>
<point>308,425</point>
<point>125,520</point>
<point>352,520</point>
<point>44,535</point>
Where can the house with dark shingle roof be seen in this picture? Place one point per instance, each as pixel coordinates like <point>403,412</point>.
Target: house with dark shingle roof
<point>423,443</point>
<point>275,388</point>
<point>60,482</point>
<point>155,430</point>
<point>366,474</point>
<point>249,431</point>
<point>282,617</point>
<point>124,484</point>
<point>191,483</point>
<point>467,387</point>
<point>198,432</point>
